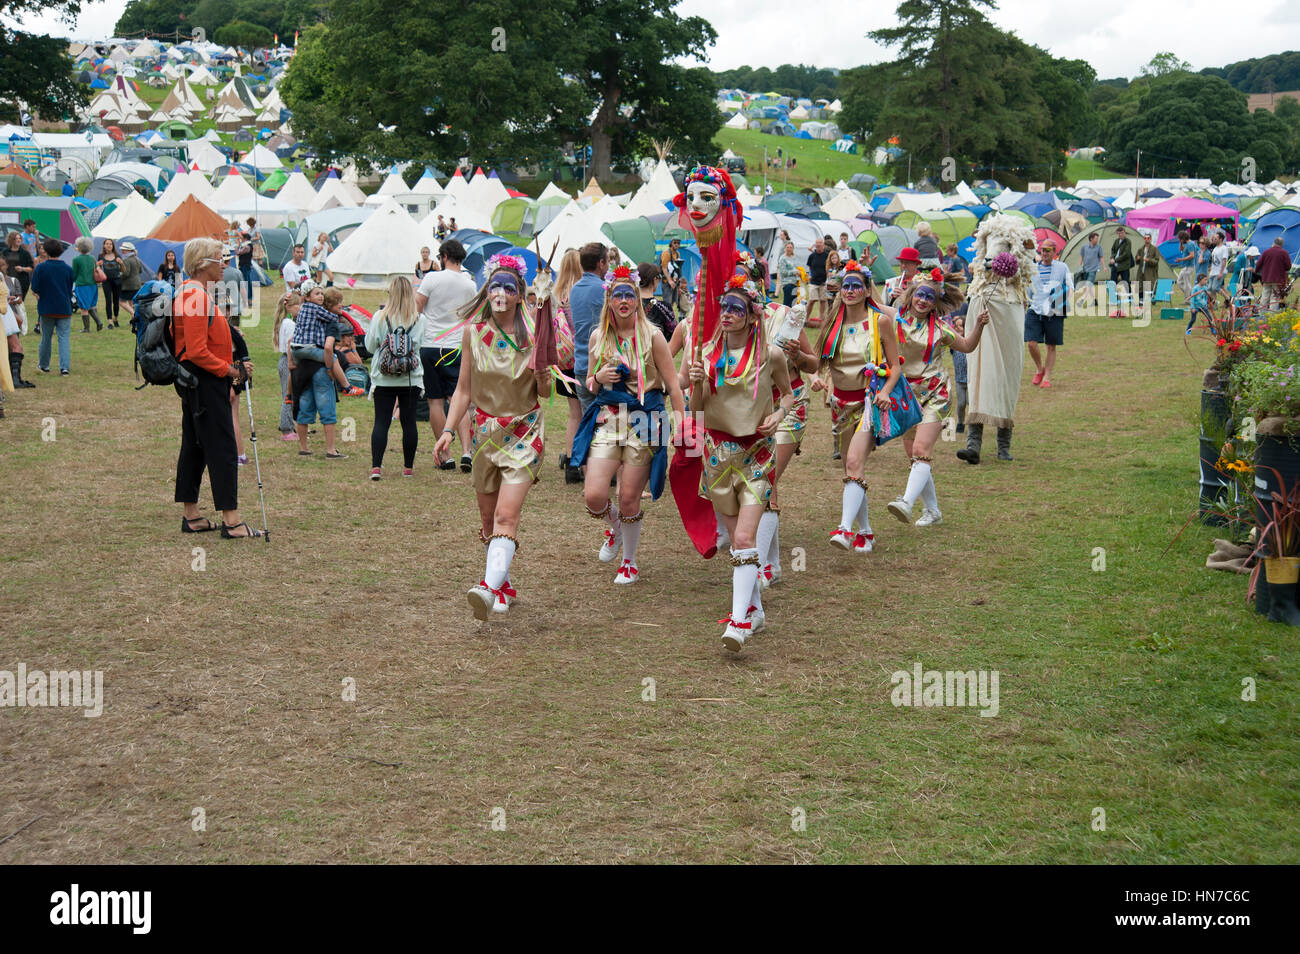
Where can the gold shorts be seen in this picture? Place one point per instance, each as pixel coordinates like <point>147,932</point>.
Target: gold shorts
<point>845,418</point>
<point>933,395</point>
<point>506,450</point>
<point>616,439</point>
<point>792,426</point>
<point>736,476</point>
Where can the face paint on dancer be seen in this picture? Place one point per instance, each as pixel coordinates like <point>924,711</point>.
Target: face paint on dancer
<point>734,312</point>
<point>702,203</point>
<point>853,288</point>
<point>923,299</point>
<point>503,291</point>
<point>623,299</point>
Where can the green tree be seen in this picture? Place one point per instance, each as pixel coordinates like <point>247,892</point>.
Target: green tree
<point>1163,64</point>
<point>862,94</point>
<point>242,33</point>
<point>35,71</point>
<point>621,52</point>
<point>425,83</point>
<point>168,18</point>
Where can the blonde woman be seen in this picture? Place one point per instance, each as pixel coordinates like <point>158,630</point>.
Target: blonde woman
<point>736,378</point>
<point>508,425</point>
<point>570,272</point>
<point>286,313</point>
<point>319,252</point>
<point>845,351</point>
<point>396,373</point>
<point>630,369</point>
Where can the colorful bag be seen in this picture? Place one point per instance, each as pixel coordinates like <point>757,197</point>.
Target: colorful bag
<point>904,410</point>
<point>563,336</point>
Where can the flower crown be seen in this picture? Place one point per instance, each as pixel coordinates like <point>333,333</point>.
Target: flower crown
<point>512,263</point>
<point>742,283</point>
<point>852,266</point>
<point>622,275</point>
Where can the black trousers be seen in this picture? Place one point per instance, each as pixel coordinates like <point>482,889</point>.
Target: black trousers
<point>112,297</point>
<point>385,398</point>
<point>207,442</point>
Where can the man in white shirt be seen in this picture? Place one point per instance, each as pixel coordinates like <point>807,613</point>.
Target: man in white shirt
<point>297,271</point>
<point>1045,317</point>
<point>1218,266</point>
<point>440,296</point>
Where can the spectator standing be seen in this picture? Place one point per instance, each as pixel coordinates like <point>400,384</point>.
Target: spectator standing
<point>32,240</point>
<point>110,266</point>
<point>927,246</point>
<point>204,347</point>
<point>286,310</point>
<point>562,321</point>
<point>425,265</point>
<point>86,284</point>
<point>1121,262</point>
<point>1090,260</point>
<point>1272,268</point>
<point>296,271</point>
<point>787,274</point>
<point>440,296</point>
<point>319,252</point>
<point>12,318</point>
<point>244,252</point>
<point>658,313</point>
<point>1184,262</point>
<point>132,274</point>
<point>1218,266</point>
<point>670,267</point>
<point>816,263</point>
<point>312,348</point>
<point>846,253</point>
<point>228,291</point>
<point>52,283</point>
<point>21,264</point>
<point>169,271</point>
<point>586,302</point>
<point>399,322</point>
<point>1148,271</point>
<point>954,270</point>
<point>909,261</point>
<point>1045,317</point>
<point>1198,303</point>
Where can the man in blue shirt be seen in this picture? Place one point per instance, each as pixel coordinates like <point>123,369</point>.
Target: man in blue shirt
<point>1045,318</point>
<point>586,299</point>
<point>52,285</point>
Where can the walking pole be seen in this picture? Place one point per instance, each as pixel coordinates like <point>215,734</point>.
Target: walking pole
<point>257,462</point>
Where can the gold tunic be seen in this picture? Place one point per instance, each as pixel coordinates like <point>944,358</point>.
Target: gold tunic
<point>738,473</point>
<point>853,354</point>
<point>615,437</point>
<point>509,428</point>
<point>928,379</point>
<point>734,408</point>
<point>792,427</point>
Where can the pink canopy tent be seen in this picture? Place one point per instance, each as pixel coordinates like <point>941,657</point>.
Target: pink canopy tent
<point>1163,215</point>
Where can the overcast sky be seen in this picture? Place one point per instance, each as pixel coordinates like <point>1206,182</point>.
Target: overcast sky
<point>1115,36</point>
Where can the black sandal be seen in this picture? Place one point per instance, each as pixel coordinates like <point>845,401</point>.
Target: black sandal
<point>227,535</point>
<point>186,528</point>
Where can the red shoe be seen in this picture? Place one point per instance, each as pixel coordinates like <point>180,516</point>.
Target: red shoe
<point>842,539</point>
<point>1038,378</point>
<point>627,573</point>
<point>862,543</point>
<point>354,392</point>
<point>407,472</point>
<point>1046,384</point>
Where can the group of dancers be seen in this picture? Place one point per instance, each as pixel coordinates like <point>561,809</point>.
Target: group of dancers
<point>739,396</point>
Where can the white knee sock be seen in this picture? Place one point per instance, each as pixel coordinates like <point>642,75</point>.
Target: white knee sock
<point>500,553</point>
<point>631,537</point>
<point>775,556</point>
<point>929,499</point>
<point>744,580</point>
<point>864,524</point>
<point>766,533</point>
<point>917,478</point>
<point>855,502</point>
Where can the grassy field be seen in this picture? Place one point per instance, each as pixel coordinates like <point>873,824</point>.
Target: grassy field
<point>223,684</point>
<point>817,163</point>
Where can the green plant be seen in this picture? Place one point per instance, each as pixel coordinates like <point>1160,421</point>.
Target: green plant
<point>1261,389</point>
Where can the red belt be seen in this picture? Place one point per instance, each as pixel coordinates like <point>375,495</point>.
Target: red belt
<point>850,396</point>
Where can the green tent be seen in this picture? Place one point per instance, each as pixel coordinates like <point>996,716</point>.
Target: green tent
<point>949,227</point>
<point>516,216</point>
<point>882,269</point>
<point>273,182</point>
<point>634,236</point>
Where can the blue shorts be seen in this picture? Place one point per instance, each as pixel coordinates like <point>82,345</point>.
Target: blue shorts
<point>1044,329</point>
<point>319,398</point>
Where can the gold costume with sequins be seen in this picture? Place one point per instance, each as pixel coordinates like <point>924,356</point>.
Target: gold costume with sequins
<point>738,462</point>
<point>848,381</point>
<point>508,427</point>
<point>921,346</point>
<point>615,437</point>
<point>792,427</point>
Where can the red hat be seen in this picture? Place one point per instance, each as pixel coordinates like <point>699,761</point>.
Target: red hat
<point>909,255</point>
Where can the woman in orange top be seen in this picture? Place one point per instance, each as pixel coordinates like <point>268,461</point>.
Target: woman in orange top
<point>203,346</point>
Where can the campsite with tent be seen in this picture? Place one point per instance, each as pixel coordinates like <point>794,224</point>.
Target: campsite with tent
<point>321,694</point>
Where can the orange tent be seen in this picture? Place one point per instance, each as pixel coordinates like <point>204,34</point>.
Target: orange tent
<point>192,219</point>
<point>19,172</point>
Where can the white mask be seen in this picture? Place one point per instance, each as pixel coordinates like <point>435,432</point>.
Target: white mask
<point>703,201</point>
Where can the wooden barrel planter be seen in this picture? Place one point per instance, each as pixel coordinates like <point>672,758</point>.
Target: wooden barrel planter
<point>1215,487</point>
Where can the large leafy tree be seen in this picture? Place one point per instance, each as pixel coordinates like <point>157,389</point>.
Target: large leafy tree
<point>425,83</point>
<point>619,51</point>
<point>965,91</point>
<point>35,70</point>
<point>1194,125</point>
<point>179,18</point>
